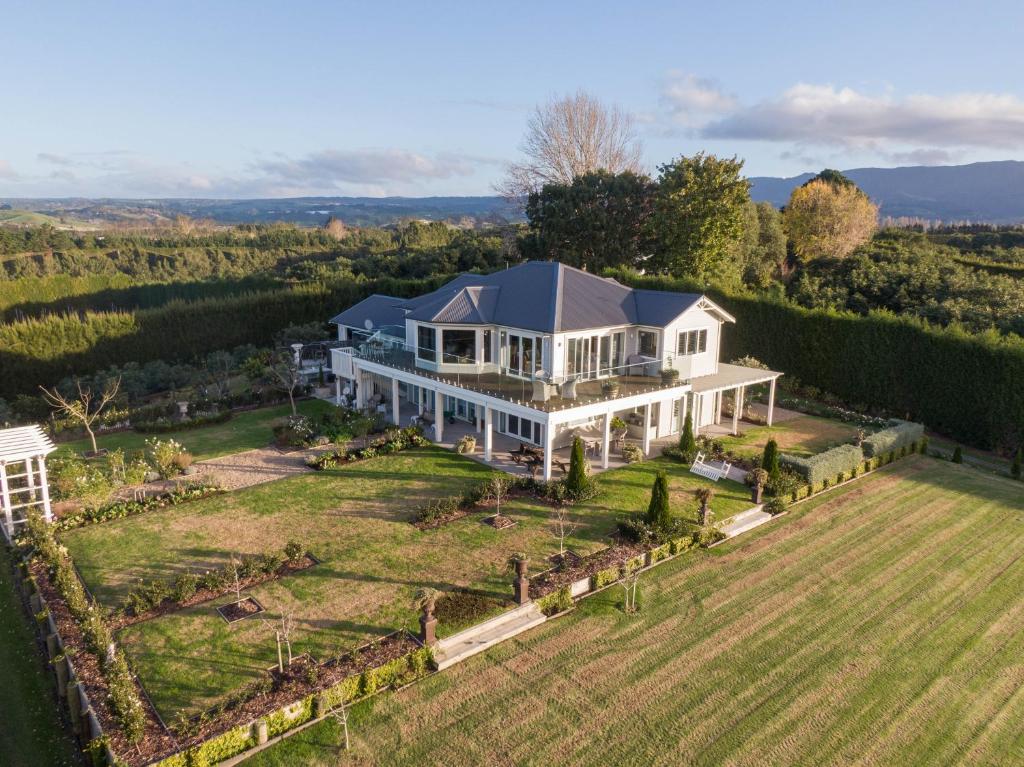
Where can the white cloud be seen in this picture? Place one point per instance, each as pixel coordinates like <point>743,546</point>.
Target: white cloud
<point>335,167</point>
<point>826,115</point>
<point>692,100</point>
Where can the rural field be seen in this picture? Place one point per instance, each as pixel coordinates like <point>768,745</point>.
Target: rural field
<point>880,624</point>
<point>356,519</point>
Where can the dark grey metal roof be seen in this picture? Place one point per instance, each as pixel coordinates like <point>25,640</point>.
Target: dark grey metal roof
<point>378,309</point>
<point>543,296</point>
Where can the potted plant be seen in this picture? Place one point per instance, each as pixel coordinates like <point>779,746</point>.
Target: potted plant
<point>758,479</point>
<point>610,388</point>
<point>466,445</point>
<point>669,376</point>
<point>426,600</point>
<point>518,563</point>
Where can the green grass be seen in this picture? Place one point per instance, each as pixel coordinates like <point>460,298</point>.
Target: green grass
<point>356,519</point>
<point>245,431</point>
<point>804,435</point>
<point>878,624</point>
<point>31,734</point>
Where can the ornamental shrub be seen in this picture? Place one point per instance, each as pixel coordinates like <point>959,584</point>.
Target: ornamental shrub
<point>770,459</point>
<point>556,602</point>
<point>817,470</point>
<point>900,435</point>
<point>958,455</point>
<point>687,442</point>
<point>576,481</point>
<point>658,515</point>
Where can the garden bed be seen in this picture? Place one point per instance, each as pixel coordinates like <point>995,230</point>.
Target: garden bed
<point>288,567</point>
<point>233,612</point>
<point>613,556</point>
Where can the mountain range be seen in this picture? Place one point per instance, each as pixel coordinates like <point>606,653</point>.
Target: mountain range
<point>979,192</point>
<point>982,191</point>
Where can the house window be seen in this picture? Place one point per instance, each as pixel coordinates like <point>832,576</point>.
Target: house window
<point>648,343</point>
<point>692,342</point>
<point>459,346</point>
<point>426,343</point>
<point>487,346</point>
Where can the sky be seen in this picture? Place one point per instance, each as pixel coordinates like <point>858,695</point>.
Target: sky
<point>274,99</point>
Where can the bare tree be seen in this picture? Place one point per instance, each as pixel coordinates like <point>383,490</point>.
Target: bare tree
<point>87,407</point>
<point>340,714</point>
<point>284,375</point>
<point>237,588</point>
<point>562,528</point>
<point>568,137</point>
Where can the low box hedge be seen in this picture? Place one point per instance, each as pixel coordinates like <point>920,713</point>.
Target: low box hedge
<point>899,435</point>
<point>823,468</point>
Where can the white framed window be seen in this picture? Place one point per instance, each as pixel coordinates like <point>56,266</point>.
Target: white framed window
<point>692,342</point>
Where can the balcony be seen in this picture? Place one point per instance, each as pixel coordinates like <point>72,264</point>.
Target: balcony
<point>538,393</point>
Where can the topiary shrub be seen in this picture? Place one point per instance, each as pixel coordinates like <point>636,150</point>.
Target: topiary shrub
<point>958,455</point>
<point>1015,467</point>
<point>658,515</point>
<point>576,481</point>
<point>687,442</point>
<point>770,459</point>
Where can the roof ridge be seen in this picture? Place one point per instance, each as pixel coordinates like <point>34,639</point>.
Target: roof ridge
<point>556,320</point>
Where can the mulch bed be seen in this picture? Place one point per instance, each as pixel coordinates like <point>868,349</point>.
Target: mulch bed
<point>236,611</point>
<point>121,620</point>
<point>500,522</point>
<point>294,684</point>
<point>568,559</point>
<point>156,740</point>
<point>554,579</point>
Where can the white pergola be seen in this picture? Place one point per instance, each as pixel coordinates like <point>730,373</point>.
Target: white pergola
<point>23,484</point>
<point>734,378</point>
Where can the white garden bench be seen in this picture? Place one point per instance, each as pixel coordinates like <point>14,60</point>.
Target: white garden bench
<point>709,470</point>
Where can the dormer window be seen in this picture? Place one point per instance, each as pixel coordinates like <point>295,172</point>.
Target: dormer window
<point>692,342</point>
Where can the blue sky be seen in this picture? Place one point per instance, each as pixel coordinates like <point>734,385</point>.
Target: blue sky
<point>228,99</point>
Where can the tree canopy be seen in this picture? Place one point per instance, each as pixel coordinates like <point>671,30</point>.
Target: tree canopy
<point>828,217</point>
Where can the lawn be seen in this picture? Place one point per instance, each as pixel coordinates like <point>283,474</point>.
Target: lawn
<point>31,734</point>
<point>356,520</point>
<point>804,435</point>
<point>882,623</point>
<point>247,430</point>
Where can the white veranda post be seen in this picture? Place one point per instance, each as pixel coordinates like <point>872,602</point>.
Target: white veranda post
<point>23,485</point>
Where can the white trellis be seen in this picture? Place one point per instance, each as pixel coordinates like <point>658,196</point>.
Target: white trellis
<point>23,484</point>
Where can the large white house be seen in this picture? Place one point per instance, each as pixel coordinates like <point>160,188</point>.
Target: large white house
<point>541,352</point>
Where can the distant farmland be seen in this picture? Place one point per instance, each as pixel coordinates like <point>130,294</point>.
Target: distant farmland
<point>881,625</point>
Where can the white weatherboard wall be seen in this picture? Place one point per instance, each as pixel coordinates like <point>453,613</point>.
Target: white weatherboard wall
<point>693,365</point>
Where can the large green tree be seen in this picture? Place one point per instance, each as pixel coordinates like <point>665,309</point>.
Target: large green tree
<point>598,220</point>
<point>698,217</point>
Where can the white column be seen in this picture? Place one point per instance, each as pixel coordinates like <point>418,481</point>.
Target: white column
<point>337,391</point>
<point>479,417</point>
<point>737,406</point>
<point>698,406</point>
<point>357,382</point>
<point>606,441</point>
<point>549,431</point>
<point>718,406</point>
<point>771,401</point>
<point>438,416</point>
<point>45,488</point>
<point>396,404</point>
<point>488,433</point>
<point>647,429</point>
<point>30,479</point>
<point>5,500</point>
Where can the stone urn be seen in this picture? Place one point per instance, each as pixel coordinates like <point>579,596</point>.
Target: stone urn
<point>182,411</point>
<point>755,493</point>
<point>521,585</point>
<point>428,626</point>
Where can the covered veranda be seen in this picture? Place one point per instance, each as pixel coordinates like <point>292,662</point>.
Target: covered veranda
<point>736,379</point>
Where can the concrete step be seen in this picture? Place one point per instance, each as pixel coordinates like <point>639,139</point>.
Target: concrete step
<point>744,521</point>
<point>478,638</point>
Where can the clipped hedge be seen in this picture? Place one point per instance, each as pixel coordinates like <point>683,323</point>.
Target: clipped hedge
<point>557,601</point>
<point>825,468</point>
<point>899,435</point>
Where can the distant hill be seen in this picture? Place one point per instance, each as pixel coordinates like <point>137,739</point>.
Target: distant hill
<point>309,211</point>
<point>982,191</point>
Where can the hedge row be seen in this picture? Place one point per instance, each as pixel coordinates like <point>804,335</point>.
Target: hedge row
<point>825,467</point>
<point>961,384</point>
<point>900,434</point>
<point>42,351</point>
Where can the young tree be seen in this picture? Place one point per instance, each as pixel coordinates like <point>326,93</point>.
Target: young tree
<point>283,374</point>
<point>568,137</point>
<point>576,481</point>
<point>698,216</point>
<point>340,714</point>
<point>86,407</point>
<point>285,632</point>
<point>597,220</point>
<point>561,528</point>
<point>828,218</point>
<point>687,442</point>
<point>659,517</point>
<point>630,582</point>
<point>770,459</point>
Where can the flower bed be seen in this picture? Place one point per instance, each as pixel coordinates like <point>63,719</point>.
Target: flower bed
<point>160,597</point>
<point>600,562</point>
<point>122,509</point>
<point>393,441</point>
